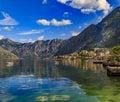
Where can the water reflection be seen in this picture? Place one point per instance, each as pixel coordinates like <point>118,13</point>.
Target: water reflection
<point>36,80</point>
<point>84,65</point>
<point>93,79</point>
<point>30,67</point>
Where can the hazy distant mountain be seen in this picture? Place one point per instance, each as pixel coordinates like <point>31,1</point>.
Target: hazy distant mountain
<point>104,34</point>
<point>38,48</point>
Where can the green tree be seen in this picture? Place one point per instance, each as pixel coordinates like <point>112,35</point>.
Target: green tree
<point>115,50</point>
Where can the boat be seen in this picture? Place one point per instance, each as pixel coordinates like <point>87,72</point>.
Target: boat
<point>113,70</point>
<point>111,63</point>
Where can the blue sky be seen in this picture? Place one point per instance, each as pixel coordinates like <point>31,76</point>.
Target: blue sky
<point>31,20</point>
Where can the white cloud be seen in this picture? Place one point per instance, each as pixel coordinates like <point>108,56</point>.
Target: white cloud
<point>8,20</point>
<point>60,23</point>
<point>54,22</point>
<point>6,28</point>
<point>31,40</point>
<point>1,37</point>
<point>24,40</point>
<point>104,5</point>
<point>62,1</point>
<point>87,6</point>
<point>87,11</point>
<point>75,33</point>
<point>44,1</point>
<point>31,32</point>
<point>43,22</point>
<point>66,14</point>
<point>41,38</point>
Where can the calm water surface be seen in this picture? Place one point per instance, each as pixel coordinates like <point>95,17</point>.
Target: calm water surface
<point>35,80</point>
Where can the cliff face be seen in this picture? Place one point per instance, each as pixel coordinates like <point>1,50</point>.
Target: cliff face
<point>104,34</point>
<point>38,48</point>
<point>110,29</point>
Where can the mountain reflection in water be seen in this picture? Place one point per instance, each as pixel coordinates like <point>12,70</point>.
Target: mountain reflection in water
<point>35,80</point>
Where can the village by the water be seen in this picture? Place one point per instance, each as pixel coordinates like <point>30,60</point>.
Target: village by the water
<point>108,57</point>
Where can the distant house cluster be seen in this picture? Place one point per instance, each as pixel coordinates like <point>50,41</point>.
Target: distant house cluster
<point>96,53</point>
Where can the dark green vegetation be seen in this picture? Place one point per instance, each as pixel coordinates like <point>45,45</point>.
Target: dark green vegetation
<point>104,34</point>
<point>115,50</point>
<point>115,54</point>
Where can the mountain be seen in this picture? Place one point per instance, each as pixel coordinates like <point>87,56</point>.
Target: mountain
<point>104,34</point>
<point>7,54</point>
<point>38,48</point>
